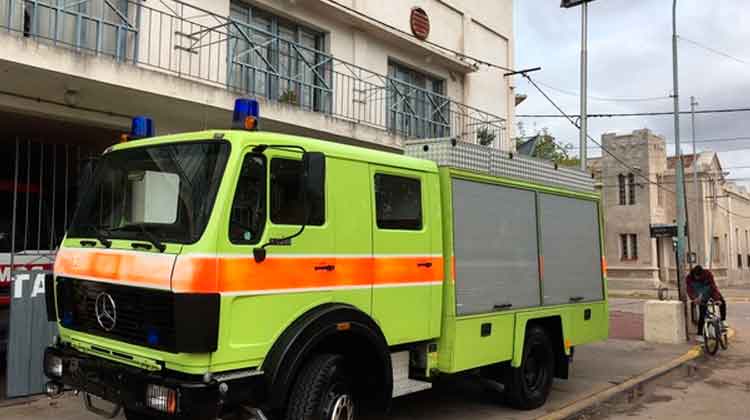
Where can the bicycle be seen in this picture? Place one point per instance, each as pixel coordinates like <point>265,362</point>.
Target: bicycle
<point>714,332</point>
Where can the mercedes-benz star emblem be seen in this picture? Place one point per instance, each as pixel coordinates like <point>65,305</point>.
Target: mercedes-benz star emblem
<point>106,311</point>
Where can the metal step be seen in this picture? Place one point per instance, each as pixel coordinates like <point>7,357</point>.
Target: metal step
<point>402,384</point>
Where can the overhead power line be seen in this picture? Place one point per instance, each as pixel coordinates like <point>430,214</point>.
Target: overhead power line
<point>634,170</point>
<point>713,50</point>
<point>636,114</point>
<point>602,98</point>
<point>701,141</point>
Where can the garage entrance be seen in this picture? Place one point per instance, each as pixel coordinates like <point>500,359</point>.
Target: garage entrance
<point>44,163</point>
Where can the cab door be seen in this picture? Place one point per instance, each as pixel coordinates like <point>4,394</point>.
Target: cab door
<point>404,271</point>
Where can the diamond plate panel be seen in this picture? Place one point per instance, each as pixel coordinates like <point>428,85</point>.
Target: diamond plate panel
<point>477,158</point>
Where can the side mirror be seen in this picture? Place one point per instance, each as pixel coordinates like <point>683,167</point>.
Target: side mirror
<point>314,177</point>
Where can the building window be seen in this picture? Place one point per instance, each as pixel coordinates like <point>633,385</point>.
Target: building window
<point>398,202</point>
<point>739,260</point>
<point>715,251</point>
<point>631,189</point>
<point>416,103</point>
<point>275,58</point>
<point>628,247</point>
<point>621,186</point>
<point>748,261</point>
<point>660,190</point>
<point>626,186</point>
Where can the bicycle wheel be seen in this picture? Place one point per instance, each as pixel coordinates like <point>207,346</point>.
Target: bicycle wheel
<point>711,333</point>
<point>723,338</point>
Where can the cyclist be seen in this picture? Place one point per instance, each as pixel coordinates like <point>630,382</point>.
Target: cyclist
<point>701,287</point>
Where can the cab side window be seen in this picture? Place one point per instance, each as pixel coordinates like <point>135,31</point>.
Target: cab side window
<point>398,202</point>
<point>248,215</point>
<point>287,206</point>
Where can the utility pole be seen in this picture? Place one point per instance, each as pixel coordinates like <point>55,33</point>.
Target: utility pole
<point>583,132</point>
<point>698,194</point>
<point>680,169</point>
<point>584,84</point>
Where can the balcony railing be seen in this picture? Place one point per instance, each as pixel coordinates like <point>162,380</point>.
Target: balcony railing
<point>176,38</point>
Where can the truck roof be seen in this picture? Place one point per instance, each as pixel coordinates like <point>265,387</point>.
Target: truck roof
<point>239,138</point>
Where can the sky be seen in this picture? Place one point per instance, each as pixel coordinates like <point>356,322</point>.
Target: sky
<point>630,58</point>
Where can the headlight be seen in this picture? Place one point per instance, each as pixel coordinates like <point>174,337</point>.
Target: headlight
<point>161,398</point>
<point>53,366</point>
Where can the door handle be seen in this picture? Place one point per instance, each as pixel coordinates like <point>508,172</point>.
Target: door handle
<point>424,264</point>
<point>328,267</point>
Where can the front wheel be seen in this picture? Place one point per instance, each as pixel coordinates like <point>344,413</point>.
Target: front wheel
<point>323,391</point>
<point>711,334</point>
<point>528,386</point>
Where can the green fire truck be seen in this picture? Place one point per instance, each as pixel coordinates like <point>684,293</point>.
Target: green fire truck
<point>296,278</point>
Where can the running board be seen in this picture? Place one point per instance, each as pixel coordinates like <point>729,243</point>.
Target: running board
<point>402,384</point>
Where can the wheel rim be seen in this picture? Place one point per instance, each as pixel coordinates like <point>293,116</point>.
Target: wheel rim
<point>343,408</point>
<point>533,370</point>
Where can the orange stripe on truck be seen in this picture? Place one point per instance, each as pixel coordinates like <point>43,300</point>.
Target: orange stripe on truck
<point>201,274</point>
<point>238,274</point>
<point>145,269</point>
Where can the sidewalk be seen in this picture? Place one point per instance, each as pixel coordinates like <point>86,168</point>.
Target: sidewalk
<point>597,368</point>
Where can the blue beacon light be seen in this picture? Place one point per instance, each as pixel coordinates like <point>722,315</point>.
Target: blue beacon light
<point>142,127</point>
<point>246,114</point>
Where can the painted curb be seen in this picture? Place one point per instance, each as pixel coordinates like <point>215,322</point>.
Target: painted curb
<point>600,397</point>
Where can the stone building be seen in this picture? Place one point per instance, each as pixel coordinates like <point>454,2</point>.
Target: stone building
<point>642,194</point>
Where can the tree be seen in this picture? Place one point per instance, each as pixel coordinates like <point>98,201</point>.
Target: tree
<point>548,148</point>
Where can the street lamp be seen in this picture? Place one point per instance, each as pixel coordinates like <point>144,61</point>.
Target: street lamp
<point>567,4</point>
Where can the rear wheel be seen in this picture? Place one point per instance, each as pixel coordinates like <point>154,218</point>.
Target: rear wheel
<point>711,334</point>
<point>528,386</point>
<point>323,391</point>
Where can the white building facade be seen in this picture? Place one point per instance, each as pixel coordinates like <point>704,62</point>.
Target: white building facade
<point>372,73</point>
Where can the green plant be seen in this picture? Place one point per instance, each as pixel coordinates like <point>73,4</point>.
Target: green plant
<point>485,137</point>
<point>289,97</point>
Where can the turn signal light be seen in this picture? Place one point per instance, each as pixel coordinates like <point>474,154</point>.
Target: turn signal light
<point>161,398</point>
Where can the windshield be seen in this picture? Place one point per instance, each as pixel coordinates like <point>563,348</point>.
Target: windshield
<point>163,192</point>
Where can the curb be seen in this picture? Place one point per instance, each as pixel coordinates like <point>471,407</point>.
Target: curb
<point>581,405</point>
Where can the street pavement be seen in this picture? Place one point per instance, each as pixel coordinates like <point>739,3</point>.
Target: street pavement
<point>597,367</point>
<point>712,388</point>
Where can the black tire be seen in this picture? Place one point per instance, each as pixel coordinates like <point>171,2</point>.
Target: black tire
<point>528,386</point>
<point>711,334</point>
<point>323,391</point>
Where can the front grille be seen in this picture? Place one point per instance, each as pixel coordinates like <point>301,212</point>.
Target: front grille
<point>144,317</point>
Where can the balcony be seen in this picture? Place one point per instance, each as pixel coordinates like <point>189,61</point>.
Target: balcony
<point>197,45</point>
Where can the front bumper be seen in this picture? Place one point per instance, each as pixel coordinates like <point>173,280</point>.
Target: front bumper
<point>126,385</point>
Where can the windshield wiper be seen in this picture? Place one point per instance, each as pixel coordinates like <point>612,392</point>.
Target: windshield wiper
<point>150,237</point>
<point>101,234</point>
